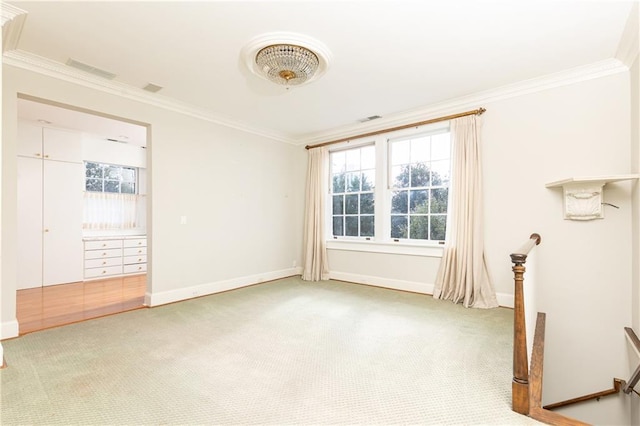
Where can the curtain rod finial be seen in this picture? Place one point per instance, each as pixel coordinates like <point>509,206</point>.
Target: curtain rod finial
<point>481,111</point>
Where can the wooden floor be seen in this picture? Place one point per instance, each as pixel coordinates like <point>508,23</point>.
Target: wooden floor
<point>52,306</point>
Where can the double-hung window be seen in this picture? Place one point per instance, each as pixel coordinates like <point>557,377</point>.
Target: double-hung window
<point>419,182</point>
<point>353,177</point>
<point>393,189</point>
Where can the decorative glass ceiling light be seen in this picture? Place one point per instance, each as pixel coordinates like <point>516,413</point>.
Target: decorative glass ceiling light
<point>287,64</point>
<point>287,59</point>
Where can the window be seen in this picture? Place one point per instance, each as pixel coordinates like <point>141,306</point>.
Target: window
<point>353,177</point>
<point>100,177</point>
<point>392,189</point>
<point>419,180</point>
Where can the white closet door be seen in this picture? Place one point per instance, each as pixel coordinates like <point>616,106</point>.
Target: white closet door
<point>29,140</point>
<point>62,220</point>
<point>29,222</point>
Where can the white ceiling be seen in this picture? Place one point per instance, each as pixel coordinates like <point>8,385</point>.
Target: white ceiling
<point>388,56</point>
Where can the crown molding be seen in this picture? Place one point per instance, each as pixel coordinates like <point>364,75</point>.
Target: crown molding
<point>563,78</point>
<point>629,45</point>
<point>12,22</point>
<point>44,66</point>
<point>61,71</point>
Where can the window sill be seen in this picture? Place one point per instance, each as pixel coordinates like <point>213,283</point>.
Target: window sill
<point>432,250</point>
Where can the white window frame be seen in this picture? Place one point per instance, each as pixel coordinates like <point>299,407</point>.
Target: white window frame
<point>382,242</point>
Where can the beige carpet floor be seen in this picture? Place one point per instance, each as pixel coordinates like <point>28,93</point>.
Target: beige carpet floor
<point>284,352</point>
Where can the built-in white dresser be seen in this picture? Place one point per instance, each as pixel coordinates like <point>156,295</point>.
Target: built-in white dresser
<point>114,256</point>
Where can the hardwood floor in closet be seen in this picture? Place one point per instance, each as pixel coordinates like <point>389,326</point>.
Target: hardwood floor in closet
<point>52,306</point>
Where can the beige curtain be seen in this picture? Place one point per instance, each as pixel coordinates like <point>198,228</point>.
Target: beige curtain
<point>463,275</point>
<point>315,264</point>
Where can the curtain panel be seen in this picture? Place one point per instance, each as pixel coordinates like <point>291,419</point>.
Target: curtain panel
<point>105,210</point>
<point>463,276</point>
<point>315,262</point>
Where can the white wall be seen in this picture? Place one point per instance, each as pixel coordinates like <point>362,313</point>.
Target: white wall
<point>583,267</point>
<point>241,194</point>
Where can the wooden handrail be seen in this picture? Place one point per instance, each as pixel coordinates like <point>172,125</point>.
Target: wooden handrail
<point>520,382</point>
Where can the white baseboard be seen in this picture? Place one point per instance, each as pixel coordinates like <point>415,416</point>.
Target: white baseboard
<point>9,329</point>
<point>415,287</point>
<point>504,300</point>
<point>164,297</point>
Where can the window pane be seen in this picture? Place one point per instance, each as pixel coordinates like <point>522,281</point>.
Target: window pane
<point>368,180</point>
<point>338,229</point>
<point>366,226</point>
<point>111,186</point>
<point>353,159</point>
<point>419,201</point>
<point>438,227</point>
<point>368,159</point>
<point>419,175</point>
<point>351,204</point>
<point>128,174</point>
<point>398,226</point>
<point>113,172</point>
<point>439,199</point>
<point>420,150</point>
<point>128,188</point>
<point>399,202</point>
<point>338,204</point>
<point>353,182</point>
<point>351,226</point>
<point>440,172</point>
<point>400,152</point>
<point>400,176</point>
<point>338,183</point>
<point>94,185</point>
<point>338,161</point>
<point>366,203</point>
<point>93,170</point>
<point>419,227</point>
<point>440,147</point>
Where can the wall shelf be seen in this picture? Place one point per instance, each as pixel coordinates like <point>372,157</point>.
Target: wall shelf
<point>583,196</point>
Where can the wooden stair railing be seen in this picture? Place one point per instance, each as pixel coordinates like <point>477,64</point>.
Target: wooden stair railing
<point>520,382</point>
<point>527,385</point>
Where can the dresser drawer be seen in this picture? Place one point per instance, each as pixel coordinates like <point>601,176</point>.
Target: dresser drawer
<point>135,251</point>
<point>130,260</point>
<point>135,242</point>
<point>102,272</point>
<point>132,269</point>
<point>97,254</point>
<point>103,262</point>
<point>102,244</point>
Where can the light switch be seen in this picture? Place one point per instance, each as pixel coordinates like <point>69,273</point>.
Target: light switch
<point>183,220</point>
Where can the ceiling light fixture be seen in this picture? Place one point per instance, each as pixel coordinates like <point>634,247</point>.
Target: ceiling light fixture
<point>287,59</point>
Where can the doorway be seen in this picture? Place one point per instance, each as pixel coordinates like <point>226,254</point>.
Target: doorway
<point>82,221</point>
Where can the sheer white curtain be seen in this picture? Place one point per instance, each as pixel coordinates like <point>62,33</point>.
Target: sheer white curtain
<point>315,263</point>
<point>463,275</point>
<point>105,210</point>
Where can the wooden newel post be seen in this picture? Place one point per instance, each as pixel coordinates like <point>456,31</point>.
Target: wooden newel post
<point>520,383</point>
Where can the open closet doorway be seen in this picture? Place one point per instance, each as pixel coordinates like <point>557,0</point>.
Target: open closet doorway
<point>82,215</point>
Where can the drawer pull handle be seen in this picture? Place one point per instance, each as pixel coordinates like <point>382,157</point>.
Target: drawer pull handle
<point>104,244</point>
<point>104,272</point>
<point>139,243</point>
<point>38,154</point>
<point>139,260</point>
<point>104,263</point>
<point>139,268</point>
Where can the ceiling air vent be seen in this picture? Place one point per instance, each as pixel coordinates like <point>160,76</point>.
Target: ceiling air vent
<point>372,117</point>
<point>90,69</point>
<point>153,88</point>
